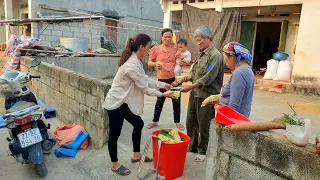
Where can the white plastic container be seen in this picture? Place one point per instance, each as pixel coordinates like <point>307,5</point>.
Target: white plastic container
<point>75,44</point>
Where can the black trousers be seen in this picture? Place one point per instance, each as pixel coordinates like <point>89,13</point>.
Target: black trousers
<point>116,118</point>
<point>160,101</point>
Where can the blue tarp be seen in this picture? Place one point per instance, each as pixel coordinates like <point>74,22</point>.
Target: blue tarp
<point>50,112</point>
<point>2,124</point>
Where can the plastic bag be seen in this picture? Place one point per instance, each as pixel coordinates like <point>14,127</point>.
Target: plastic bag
<point>272,67</point>
<point>67,133</point>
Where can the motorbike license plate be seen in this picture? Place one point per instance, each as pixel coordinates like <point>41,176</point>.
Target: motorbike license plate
<point>30,137</point>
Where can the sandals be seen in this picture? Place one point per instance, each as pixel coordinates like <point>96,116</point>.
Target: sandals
<point>147,159</point>
<point>180,127</point>
<point>200,158</point>
<point>151,125</point>
<point>121,171</point>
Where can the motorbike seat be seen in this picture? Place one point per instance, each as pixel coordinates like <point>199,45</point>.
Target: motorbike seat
<point>20,106</point>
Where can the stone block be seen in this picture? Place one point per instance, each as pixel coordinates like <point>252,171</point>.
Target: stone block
<point>56,72</point>
<point>63,87</point>
<point>86,35</point>
<point>80,96</point>
<point>42,96</point>
<point>105,137</point>
<point>74,29</point>
<point>47,32</point>
<point>48,100</point>
<point>77,34</point>
<point>96,119</point>
<point>55,84</point>
<point>92,101</point>
<point>76,118</point>
<point>65,100</point>
<point>98,88</point>
<point>84,30</point>
<point>105,118</point>
<point>56,33</point>
<point>50,91</point>
<point>85,83</point>
<point>67,34</point>
<point>70,91</point>
<point>224,164</point>
<point>96,135</point>
<point>243,170</point>
<point>65,76</point>
<point>56,27</point>
<point>64,28</point>
<point>58,96</point>
<point>85,111</point>
<point>45,80</point>
<point>38,84</point>
<point>75,106</point>
<point>74,79</point>
<point>43,68</point>
<point>59,107</point>
<point>234,143</point>
<point>51,38</point>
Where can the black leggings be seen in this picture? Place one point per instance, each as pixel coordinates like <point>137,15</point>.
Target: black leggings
<point>160,101</point>
<point>116,118</point>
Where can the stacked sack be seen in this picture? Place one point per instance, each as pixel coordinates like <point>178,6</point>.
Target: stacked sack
<point>278,70</point>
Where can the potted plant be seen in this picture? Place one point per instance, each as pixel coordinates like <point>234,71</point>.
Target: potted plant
<point>298,129</point>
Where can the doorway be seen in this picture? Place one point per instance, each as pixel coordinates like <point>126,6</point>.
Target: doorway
<point>266,43</point>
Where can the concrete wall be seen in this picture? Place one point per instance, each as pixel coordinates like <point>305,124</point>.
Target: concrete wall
<point>51,33</point>
<point>97,67</point>
<point>146,12</point>
<point>77,98</point>
<point>262,155</point>
<point>306,63</point>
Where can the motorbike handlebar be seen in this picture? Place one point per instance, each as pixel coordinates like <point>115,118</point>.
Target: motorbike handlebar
<point>31,77</point>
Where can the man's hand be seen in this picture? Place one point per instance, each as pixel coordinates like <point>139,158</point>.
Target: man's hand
<point>186,88</point>
<point>168,87</point>
<point>189,87</point>
<point>186,78</point>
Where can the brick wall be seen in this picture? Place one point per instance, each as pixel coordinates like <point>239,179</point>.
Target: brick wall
<point>77,98</point>
<point>51,33</point>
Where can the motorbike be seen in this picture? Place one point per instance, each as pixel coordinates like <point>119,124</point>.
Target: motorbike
<point>29,139</point>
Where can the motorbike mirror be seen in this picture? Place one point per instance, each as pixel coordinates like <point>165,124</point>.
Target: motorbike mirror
<point>35,63</point>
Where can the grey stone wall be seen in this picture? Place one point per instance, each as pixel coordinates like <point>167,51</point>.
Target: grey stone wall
<point>262,155</point>
<point>50,33</point>
<point>77,98</point>
<point>97,67</point>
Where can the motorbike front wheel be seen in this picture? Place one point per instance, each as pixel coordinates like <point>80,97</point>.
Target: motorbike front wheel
<point>41,169</point>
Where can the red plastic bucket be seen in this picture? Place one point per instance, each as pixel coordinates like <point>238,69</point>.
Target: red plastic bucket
<point>172,156</point>
<point>226,115</point>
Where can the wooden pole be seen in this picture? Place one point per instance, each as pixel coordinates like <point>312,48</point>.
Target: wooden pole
<point>90,34</point>
<point>69,53</point>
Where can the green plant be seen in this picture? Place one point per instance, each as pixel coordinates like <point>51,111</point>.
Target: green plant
<point>292,118</point>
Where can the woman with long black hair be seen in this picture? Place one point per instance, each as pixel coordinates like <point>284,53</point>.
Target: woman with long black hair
<point>125,99</point>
